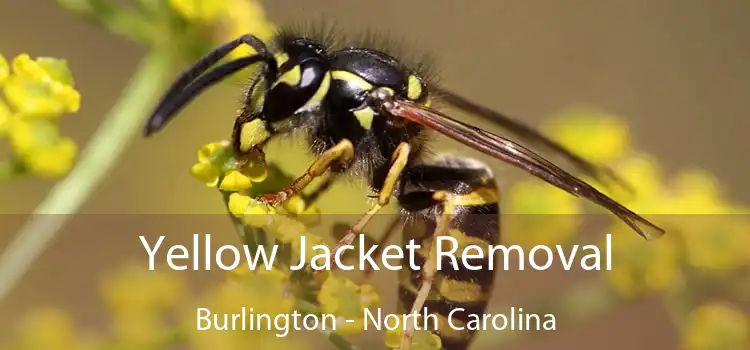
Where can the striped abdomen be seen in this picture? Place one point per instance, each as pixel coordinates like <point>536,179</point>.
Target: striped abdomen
<point>457,291</point>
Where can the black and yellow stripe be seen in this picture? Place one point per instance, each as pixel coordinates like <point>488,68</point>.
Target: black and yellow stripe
<point>473,198</point>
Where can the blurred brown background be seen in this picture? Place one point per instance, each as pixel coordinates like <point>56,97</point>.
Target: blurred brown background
<point>677,70</point>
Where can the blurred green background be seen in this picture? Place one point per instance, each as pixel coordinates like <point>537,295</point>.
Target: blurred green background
<point>676,71</point>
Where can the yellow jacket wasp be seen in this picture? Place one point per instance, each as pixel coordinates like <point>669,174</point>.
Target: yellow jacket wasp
<point>366,113</point>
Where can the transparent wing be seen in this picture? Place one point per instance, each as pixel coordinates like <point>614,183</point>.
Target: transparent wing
<point>528,134</point>
<point>519,156</point>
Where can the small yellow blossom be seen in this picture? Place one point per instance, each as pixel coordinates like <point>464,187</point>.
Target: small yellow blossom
<point>37,92</point>
<point>42,87</point>
<point>207,152</point>
<point>596,136</point>
<point>345,299</point>
<point>718,243</point>
<point>215,161</point>
<point>238,204</point>
<point>541,214</point>
<point>205,172</point>
<point>294,205</point>
<point>717,326</point>
<point>41,148</point>
<point>639,266</point>
<point>421,340</point>
<point>697,192</point>
<point>53,161</point>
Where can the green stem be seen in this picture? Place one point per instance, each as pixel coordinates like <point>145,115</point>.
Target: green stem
<point>121,124</point>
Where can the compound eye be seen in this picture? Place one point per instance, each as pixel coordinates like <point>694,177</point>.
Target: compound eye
<point>416,90</point>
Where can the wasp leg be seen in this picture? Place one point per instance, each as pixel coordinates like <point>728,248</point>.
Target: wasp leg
<point>341,152</point>
<point>379,250</point>
<point>398,163</point>
<point>455,197</point>
<point>429,269</point>
<point>314,195</point>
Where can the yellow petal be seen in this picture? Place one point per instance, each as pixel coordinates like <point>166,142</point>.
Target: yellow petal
<point>54,161</point>
<point>207,151</point>
<point>206,173</point>
<point>235,181</point>
<point>259,214</point>
<point>294,205</point>
<point>40,99</point>
<point>25,66</point>
<point>238,204</point>
<point>27,135</point>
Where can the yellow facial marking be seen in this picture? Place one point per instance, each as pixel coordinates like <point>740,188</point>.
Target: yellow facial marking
<point>365,117</point>
<point>320,94</point>
<point>281,58</point>
<point>291,77</point>
<point>413,88</point>
<point>351,78</point>
<point>252,134</point>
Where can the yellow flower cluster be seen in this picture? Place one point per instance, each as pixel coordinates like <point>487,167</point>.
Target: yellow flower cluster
<point>642,268</point>
<point>260,292</point>
<point>36,93</point>
<point>701,230</point>
<point>50,329</point>
<point>142,307</point>
<point>137,300</point>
